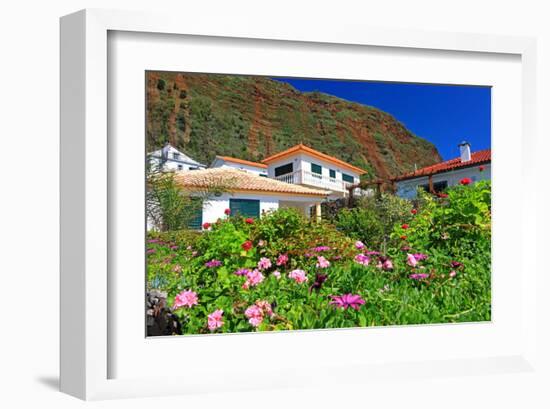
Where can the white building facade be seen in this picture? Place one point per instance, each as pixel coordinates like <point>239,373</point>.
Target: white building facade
<point>475,166</point>
<point>259,169</point>
<point>302,165</point>
<point>170,159</point>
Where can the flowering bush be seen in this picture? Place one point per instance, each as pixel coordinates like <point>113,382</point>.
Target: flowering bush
<point>283,272</point>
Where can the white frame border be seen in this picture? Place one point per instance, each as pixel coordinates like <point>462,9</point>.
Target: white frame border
<point>83,182</point>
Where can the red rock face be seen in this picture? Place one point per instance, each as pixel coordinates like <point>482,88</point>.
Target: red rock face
<point>254,117</point>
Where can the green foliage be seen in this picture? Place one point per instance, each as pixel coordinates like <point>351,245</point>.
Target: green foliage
<point>248,117</point>
<point>167,205</point>
<point>453,234</point>
<point>373,219</point>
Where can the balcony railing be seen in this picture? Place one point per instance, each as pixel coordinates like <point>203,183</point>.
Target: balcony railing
<point>302,177</point>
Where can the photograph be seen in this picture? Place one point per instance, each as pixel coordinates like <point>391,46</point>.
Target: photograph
<point>279,203</point>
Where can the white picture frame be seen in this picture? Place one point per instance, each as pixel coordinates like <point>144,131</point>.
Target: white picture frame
<point>86,354</point>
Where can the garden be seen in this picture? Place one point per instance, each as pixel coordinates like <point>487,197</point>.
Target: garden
<point>384,261</point>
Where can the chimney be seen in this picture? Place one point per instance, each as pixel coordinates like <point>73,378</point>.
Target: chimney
<point>465,154</point>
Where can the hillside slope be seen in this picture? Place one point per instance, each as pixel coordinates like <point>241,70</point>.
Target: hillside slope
<point>253,117</point>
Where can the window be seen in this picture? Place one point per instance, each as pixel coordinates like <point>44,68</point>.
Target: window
<point>180,167</point>
<point>316,169</point>
<point>263,175</point>
<point>438,186</point>
<point>284,169</point>
<point>332,173</point>
<point>347,178</point>
<point>245,207</point>
<point>176,155</point>
<point>195,221</point>
<point>193,168</point>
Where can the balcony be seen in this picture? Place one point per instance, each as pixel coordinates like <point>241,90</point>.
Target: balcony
<point>302,177</point>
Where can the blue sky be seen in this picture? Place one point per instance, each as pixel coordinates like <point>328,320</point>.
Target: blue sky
<point>443,114</point>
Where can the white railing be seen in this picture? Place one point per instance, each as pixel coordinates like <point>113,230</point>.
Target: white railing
<point>302,177</point>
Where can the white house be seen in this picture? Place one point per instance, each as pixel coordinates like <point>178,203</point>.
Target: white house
<point>256,168</point>
<point>302,165</point>
<point>473,165</point>
<point>299,177</point>
<point>169,158</point>
<point>246,193</point>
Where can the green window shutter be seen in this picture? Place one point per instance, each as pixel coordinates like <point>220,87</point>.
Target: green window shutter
<point>316,169</point>
<point>332,173</point>
<point>195,222</point>
<point>347,178</point>
<point>245,207</point>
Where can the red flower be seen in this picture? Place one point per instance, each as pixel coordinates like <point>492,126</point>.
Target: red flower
<point>465,181</point>
<point>206,226</point>
<point>227,211</point>
<point>442,195</point>
<point>481,168</point>
<point>249,220</point>
<point>414,211</point>
<point>405,226</point>
<point>247,245</point>
<point>403,237</point>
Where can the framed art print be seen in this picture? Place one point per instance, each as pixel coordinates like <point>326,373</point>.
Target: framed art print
<point>290,205</point>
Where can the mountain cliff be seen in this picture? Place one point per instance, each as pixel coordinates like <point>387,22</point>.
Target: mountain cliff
<point>251,117</point>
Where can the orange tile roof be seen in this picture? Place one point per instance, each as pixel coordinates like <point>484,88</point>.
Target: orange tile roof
<point>235,180</point>
<point>242,161</point>
<point>478,158</point>
<point>301,148</point>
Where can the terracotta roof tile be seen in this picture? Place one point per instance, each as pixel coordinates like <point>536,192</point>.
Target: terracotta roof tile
<point>478,158</point>
<point>242,161</point>
<point>301,148</point>
<point>238,180</point>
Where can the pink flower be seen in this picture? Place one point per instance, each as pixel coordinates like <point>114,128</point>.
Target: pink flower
<point>452,274</point>
<point>298,275</point>
<point>186,298</point>
<point>420,256</point>
<point>411,260</point>
<point>253,278</point>
<point>264,263</point>
<point>359,245</point>
<point>282,260</point>
<point>213,263</point>
<point>255,315</point>
<point>362,259</point>
<point>277,274</point>
<point>320,248</point>
<point>261,243</point>
<point>419,276</point>
<point>177,268</point>
<point>215,320</point>
<point>256,312</point>
<point>456,264</point>
<point>242,272</point>
<point>265,307</point>
<point>347,301</point>
<point>322,262</point>
<point>385,264</point>
<point>227,211</point>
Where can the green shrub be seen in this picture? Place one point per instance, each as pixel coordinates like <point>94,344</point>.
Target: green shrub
<point>161,84</point>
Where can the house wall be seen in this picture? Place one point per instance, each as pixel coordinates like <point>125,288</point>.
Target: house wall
<point>407,188</point>
<point>252,169</point>
<point>173,164</point>
<point>213,209</point>
<point>303,161</point>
